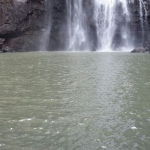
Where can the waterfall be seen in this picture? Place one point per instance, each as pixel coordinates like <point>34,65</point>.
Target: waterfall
<point>102,25</point>
<point>112,19</point>
<point>77,38</point>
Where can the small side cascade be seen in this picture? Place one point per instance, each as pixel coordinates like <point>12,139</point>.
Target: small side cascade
<point>143,17</point>
<point>47,30</point>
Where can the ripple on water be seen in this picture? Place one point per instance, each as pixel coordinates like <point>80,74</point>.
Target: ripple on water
<point>74,101</point>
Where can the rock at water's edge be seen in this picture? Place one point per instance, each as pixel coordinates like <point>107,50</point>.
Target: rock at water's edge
<point>140,50</point>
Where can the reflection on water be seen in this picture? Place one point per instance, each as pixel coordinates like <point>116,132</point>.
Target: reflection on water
<point>68,101</point>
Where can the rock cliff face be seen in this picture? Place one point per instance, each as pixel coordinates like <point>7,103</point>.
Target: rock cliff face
<point>20,24</point>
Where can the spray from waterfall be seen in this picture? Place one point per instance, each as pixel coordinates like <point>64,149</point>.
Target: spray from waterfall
<point>47,28</point>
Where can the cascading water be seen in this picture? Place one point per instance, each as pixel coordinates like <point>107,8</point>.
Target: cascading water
<point>143,17</point>
<point>47,30</point>
<point>112,18</point>
<point>102,25</point>
<point>77,39</point>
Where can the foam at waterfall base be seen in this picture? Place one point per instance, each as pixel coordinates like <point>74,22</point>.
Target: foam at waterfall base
<point>122,49</point>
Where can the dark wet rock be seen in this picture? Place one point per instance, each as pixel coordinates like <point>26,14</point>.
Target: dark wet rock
<point>145,48</point>
<point>17,18</point>
<point>2,40</point>
<point>138,50</point>
<point>59,29</point>
<point>27,42</point>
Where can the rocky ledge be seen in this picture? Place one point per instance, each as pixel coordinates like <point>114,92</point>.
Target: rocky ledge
<point>145,48</point>
<point>21,22</point>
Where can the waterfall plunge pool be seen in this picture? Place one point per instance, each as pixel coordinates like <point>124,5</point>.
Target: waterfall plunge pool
<point>66,101</point>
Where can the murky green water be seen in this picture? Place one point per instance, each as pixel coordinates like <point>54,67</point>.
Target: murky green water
<point>74,101</point>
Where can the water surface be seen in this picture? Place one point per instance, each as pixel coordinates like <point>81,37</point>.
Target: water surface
<point>74,101</point>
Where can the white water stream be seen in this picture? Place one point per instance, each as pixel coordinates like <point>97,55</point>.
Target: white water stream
<point>47,30</point>
<point>76,25</point>
<point>112,20</point>
<point>112,16</point>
